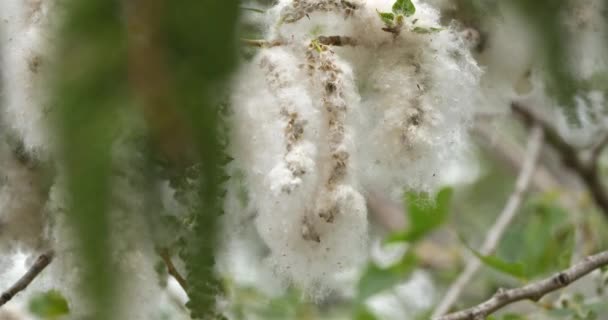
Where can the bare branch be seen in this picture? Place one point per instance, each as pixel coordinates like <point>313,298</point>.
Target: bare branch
<point>588,172</point>
<point>164,254</point>
<point>337,41</point>
<point>42,262</point>
<point>494,235</point>
<point>261,43</point>
<point>325,40</point>
<point>534,291</point>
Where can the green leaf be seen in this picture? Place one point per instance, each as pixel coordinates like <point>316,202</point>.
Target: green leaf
<point>542,238</point>
<point>404,7</point>
<point>376,279</point>
<point>547,25</point>
<point>387,17</point>
<point>425,215</point>
<point>426,30</point>
<point>516,269</point>
<point>49,305</point>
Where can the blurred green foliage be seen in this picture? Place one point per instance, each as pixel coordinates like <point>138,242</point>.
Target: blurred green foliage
<point>516,269</point>
<point>200,37</point>
<point>89,90</point>
<point>542,239</point>
<point>198,50</point>
<point>376,279</point>
<point>196,46</point>
<point>540,242</point>
<point>49,305</point>
<point>545,17</point>
<point>424,214</point>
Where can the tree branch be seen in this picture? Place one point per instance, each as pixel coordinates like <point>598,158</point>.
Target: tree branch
<point>164,254</point>
<point>261,43</point>
<point>494,235</point>
<point>534,291</point>
<point>325,40</point>
<point>42,262</point>
<point>588,172</point>
<point>512,155</point>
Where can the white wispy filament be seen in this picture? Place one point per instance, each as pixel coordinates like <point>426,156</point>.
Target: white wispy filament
<point>315,126</point>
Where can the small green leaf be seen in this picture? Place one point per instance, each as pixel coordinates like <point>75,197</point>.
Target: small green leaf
<point>49,305</point>
<point>387,17</point>
<point>404,7</point>
<point>542,238</point>
<point>317,45</point>
<point>425,215</point>
<point>376,279</point>
<point>516,269</point>
<point>426,30</point>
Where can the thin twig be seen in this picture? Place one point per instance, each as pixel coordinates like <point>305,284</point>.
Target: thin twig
<point>534,291</point>
<point>337,41</point>
<point>511,155</point>
<point>256,10</point>
<point>164,254</point>
<point>325,40</point>
<point>42,262</point>
<point>588,172</point>
<point>261,43</point>
<point>494,235</point>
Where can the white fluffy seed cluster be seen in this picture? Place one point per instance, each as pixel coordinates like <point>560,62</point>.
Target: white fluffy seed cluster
<point>22,199</point>
<point>316,125</point>
<point>283,122</point>
<point>23,42</point>
<point>299,9</point>
<point>25,39</point>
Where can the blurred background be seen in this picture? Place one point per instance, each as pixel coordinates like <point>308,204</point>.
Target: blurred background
<point>115,156</point>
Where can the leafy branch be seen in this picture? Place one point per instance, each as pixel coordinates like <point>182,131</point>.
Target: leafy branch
<point>534,291</point>
<point>498,229</point>
<point>393,22</point>
<point>171,269</point>
<point>588,172</point>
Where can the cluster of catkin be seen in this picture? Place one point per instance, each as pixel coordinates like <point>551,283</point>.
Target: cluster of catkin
<point>317,123</point>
